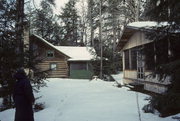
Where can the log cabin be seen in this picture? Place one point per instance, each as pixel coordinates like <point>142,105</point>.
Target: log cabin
<point>62,61</point>
<point>141,55</point>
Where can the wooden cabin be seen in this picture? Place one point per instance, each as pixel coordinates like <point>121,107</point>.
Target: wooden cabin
<point>79,63</point>
<point>61,61</point>
<point>141,55</point>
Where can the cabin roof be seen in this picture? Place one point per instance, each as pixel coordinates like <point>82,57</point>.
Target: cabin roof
<point>133,27</point>
<point>77,53</point>
<point>146,24</point>
<point>74,53</point>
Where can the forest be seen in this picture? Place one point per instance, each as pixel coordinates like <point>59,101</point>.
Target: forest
<point>91,23</point>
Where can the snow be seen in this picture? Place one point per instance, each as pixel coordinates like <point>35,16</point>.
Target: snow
<point>152,24</point>
<point>77,53</point>
<point>118,77</point>
<point>85,100</point>
<point>147,24</point>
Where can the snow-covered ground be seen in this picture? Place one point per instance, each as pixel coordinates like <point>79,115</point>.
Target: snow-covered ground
<point>118,77</point>
<point>84,100</point>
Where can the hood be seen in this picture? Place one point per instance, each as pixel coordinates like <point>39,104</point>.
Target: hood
<point>20,74</point>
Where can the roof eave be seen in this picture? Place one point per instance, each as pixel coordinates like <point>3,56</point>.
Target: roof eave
<point>128,32</point>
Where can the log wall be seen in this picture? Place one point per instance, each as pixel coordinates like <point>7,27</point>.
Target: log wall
<point>62,70</point>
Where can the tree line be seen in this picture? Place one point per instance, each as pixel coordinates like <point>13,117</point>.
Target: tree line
<point>70,27</point>
<point>67,28</point>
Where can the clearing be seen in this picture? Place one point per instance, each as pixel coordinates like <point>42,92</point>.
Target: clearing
<point>84,100</point>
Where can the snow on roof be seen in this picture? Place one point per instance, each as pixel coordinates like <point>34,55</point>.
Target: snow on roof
<point>77,53</point>
<point>147,24</point>
<point>151,25</point>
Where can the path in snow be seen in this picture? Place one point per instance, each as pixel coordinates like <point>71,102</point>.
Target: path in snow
<point>84,100</point>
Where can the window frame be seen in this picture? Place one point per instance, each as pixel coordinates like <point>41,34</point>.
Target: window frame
<point>126,59</point>
<point>50,52</point>
<point>55,68</point>
<point>133,60</point>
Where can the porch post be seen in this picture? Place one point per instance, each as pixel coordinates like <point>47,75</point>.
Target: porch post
<point>155,56</point>
<point>87,66</point>
<point>123,60</point>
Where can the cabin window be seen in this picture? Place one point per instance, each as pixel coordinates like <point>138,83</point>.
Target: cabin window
<point>134,58</point>
<point>53,66</point>
<point>50,53</point>
<point>127,64</point>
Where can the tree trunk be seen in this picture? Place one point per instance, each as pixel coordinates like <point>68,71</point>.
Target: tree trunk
<point>19,31</point>
<point>137,10</point>
<point>101,42</point>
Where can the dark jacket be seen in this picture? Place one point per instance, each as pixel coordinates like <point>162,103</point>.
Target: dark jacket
<point>23,98</point>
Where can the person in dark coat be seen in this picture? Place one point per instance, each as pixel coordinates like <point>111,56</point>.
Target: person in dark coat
<point>23,97</point>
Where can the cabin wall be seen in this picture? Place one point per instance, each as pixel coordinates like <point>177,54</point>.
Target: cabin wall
<point>130,76</point>
<point>61,70</point>
<point>154,84</point>
<point>80,70</point>
<point>137,39</point>
<point>150,83</point>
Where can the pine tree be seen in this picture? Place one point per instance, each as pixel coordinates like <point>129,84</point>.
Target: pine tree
<point>42,22</point>
<point>92,15</point>
<point>70,23</point>
<point>45,23</point>
<point>8,54</point>
<point>9,57</point>
<point>167,11</point>
<point>83,23</point>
